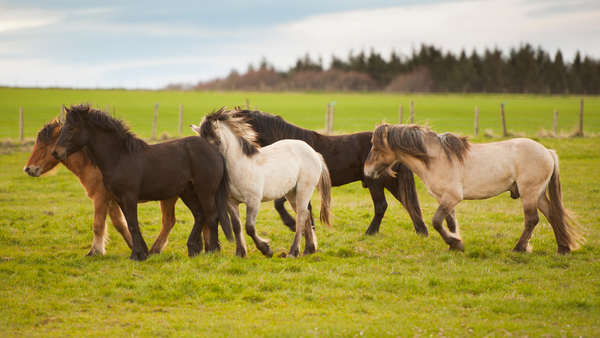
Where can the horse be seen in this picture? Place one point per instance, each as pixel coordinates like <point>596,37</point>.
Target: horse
<point>80,164</point>
<point>345,157</point>
<point>133,171</point>
<point>453,169</point>
<point>288,168</point>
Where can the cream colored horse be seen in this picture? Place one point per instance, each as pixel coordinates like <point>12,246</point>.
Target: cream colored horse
<point>453,169</point>
<point>289,168</point>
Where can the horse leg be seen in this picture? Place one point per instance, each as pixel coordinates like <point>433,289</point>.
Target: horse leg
<point>119,222</point>
<point>167,209</point>
<point>206,236</point>
<point>194,243</point>
<point>405,191</point>
<point>379,203</point>
<point>443,210</point>
<point>452,223</point>
<point>100,234</point>
<point>544,206</point>
<point>261,244</point>
<point>139,250</point>
<point>287,219</point>
<point>236,225</point>
<point>531,220</point>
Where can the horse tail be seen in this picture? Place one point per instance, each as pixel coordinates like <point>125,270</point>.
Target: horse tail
<point>407,193</point>
<point>559,218</point>
<point>222,200</point>
<point>324,188</point>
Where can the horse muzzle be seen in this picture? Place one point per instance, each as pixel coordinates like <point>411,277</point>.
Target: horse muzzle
<point>60,153</point>
<point>369,172</point>
<point>33,171</point>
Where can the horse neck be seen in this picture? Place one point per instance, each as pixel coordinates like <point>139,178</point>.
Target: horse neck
<point>106,148</point>
<point>234,155</point>
<point>435,153</point>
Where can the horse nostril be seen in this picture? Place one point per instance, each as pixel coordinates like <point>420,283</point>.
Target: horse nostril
<point>55,154</point>
<point>26,169</point>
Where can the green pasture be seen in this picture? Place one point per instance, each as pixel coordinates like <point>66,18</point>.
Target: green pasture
<point>394,284</point>
<point>353,111</point>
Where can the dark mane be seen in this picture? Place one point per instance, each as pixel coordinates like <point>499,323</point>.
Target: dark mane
<point>103,120</point>
<point>45,134</point>
<point>275,127</point>
<point>239,126</point>
<point>408,139</point>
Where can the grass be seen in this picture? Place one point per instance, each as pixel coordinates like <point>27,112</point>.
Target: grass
<point>392,284</point>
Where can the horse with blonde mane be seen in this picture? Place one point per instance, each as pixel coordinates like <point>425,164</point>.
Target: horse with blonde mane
<point>289,168</point>
<point>453,169</point>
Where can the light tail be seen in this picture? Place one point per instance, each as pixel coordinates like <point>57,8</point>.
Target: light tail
<point>562,221</point>
<point>324,188</point>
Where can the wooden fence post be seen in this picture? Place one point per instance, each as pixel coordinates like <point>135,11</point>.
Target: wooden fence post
<point>247,104</point>
<point>154,124</point>
<point>556,122</point>
<point>331,119</point>
<point>580,131</point>
<point>412,112</point>
<point>180,119</point>
<point>107,110</point>
<point>504,134</point>
<point>327,119</point>
<point>400,113</point>
<point>476,121</point>
<point>21,126</point>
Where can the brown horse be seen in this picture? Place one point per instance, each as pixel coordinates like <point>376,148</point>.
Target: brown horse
<point>453,169</point>
<point>134,171</point>
<point>80,164</point>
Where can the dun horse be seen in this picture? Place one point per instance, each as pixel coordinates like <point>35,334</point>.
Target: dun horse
<point>133,171</point>
<point>453,169</point>
<point>288,168</point>
<point>80,164</point>
<point>345,156</point>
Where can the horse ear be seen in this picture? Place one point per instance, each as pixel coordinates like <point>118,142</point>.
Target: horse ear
<point>215,124</point>
<point>195,128</point>
<point>385,133</point>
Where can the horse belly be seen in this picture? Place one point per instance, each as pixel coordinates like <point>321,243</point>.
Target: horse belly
<point>488,179</point>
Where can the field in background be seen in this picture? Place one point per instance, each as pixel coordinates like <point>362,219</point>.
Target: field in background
<point>393,284</point>
<point>354,112</point>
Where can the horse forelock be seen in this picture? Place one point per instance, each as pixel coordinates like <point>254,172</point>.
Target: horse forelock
<point>407,139</point>
<point>238,125</point>
<point>46,133</point>
<point>103,120</point>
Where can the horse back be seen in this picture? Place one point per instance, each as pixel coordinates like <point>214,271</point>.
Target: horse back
<point>345,155</point>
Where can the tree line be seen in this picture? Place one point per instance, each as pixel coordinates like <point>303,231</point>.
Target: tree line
<point>428,69</point>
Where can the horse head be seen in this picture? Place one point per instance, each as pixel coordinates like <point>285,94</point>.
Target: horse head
<point>73,135</point>
<point>40,161</point>
<point>381,158</point>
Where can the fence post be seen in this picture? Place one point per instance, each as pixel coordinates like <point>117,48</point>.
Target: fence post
<point>247,104</point>
<point>107,110</point>
<point>327,119</point>
<point>476,121</point>
<point>412,112</point>
<point>62,113</point>
<point>504,134</point>
<point>400,113</point>
<point>180,119</point>
<point>580,131</point>
<point>154,124</point>
<point>556,122</point>
<point>21,126</point>
<point>331,119</point>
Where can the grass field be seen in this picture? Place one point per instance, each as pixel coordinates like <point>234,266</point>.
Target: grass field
<point>392,284</point>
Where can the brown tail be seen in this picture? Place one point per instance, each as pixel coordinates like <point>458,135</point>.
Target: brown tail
<point>566,236</point>
<point>324,188</point>
<point>407,194</point>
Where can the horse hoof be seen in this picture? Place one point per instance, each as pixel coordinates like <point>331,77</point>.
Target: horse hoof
<point>563,250</point>
<point>139,257</point>
<point>269,252</point>
<point>527,249</point>
<point>422,232</point>
<point>309,251</point>
<point>371,232</point>
<point>241,253</point>
<point>457,246</point>
<point>289,255</point>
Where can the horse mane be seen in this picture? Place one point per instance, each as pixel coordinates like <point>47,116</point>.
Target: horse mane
<point>275,127</point>
<point>45,134</point>
<point>408,139</point>
<point>103,120</point>
<point>239,125</point>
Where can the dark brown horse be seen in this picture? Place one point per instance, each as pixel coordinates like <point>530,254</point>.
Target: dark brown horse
<point>133,171</point>
<point>81,165</point>
<point>345,156</point>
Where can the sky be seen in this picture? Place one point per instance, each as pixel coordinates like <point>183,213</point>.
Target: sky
<point>149,44</point>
